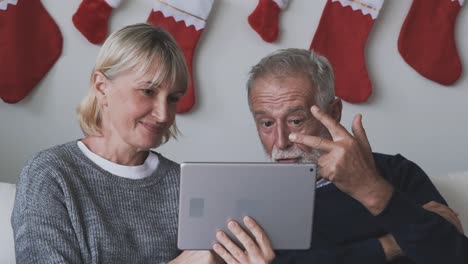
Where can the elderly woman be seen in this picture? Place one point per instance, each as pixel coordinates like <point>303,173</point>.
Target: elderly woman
<point>107,198</point>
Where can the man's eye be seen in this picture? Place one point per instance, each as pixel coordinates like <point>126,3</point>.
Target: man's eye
<point>267,123</point>
<point>296,122</point>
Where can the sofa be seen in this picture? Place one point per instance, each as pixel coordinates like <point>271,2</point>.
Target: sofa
<point>453,187</point>
<point>7,197</point>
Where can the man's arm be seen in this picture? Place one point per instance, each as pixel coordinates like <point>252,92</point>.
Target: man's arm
<point>366,251</point>
<point>396,200</point>
<point>423,236</point>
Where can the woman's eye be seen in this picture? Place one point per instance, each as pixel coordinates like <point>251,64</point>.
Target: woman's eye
<point>173,99</point>
<point>147,92</point>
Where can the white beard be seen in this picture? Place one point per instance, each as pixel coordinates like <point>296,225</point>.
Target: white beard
<point>295,152</point>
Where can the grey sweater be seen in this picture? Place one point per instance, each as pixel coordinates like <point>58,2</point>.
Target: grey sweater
<point>69,210</point>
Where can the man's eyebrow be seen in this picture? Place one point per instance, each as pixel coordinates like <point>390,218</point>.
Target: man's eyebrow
<point>259,113</point>
<point>300,109</point>
<point>297,109</point>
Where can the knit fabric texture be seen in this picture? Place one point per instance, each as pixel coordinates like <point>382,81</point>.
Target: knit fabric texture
<point>69,210</point>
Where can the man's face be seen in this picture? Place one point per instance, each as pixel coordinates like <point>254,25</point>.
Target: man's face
<point>281,106</point>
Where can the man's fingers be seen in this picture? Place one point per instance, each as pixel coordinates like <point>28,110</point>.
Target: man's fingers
<point>446,212</point>
<point>360,133</point>
<point>456,220</point>
<point>312,141</point>
<point>233,252</point>
<point>224,254</point>
<point>336,129</point>
<point>244,238</point>
<point>259,234</point>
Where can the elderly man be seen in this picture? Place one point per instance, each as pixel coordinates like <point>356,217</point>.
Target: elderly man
<point>370,208</point>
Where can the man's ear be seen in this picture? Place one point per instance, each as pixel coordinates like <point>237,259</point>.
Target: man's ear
<point>335,108</point>
<point>101,86</point>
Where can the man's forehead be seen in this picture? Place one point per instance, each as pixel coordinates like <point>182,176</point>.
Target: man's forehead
<point>294,109</point>
<point>283,83</point>
<point>290,88</point>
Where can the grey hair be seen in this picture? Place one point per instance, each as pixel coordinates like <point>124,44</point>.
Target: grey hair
<point>290,62</point>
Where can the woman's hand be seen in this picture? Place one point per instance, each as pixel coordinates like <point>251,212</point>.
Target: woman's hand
<point>258,249</point>
<point>195,257</point>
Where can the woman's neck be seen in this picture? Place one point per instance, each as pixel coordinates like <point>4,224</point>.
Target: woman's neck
<point>119,153</point>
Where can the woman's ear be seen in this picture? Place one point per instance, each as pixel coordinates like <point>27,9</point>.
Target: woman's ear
<point>101,86</point>
<point>336,106</point>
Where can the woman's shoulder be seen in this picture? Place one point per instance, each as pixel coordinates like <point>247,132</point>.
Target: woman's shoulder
<point>45,170</point>
<point>51,160</point>
<point>165,161</point>
<point>167,166</point>
<point>58,153</point>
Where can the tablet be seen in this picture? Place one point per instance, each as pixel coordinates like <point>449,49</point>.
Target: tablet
<point>280,197</point>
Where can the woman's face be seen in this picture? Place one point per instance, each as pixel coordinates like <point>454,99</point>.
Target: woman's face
<point>135,113</point>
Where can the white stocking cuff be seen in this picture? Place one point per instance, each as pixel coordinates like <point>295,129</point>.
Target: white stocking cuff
<point>367,7</point>
<point>4,3</point>
<point>113,3</point>
<point>281,3</point>
<point>192,12</point>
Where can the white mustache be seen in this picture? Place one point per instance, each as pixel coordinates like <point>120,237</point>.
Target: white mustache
<point>295,152</point>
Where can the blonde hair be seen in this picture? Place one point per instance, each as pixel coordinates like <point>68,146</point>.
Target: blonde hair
<point>134,48</point>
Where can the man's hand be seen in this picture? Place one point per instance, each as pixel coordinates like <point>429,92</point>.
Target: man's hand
<point>390,247</point>
<point>348,162</point>
<point>257,250</point>
<point>195,257</point>
<point>445,212</point>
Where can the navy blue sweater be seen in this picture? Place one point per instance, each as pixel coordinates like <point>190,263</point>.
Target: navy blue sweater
<point>345,231</point>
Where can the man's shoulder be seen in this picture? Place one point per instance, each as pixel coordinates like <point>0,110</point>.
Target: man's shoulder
<point>400,171</point>
<point>391,161</point>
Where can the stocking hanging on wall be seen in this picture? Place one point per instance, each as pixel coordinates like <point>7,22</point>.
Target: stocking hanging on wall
<point>30,44</point>
<point>92,18</point>
<point>265,18</point>
<point>185,20</point>
<point>427,40</point>
<point>341,37</point>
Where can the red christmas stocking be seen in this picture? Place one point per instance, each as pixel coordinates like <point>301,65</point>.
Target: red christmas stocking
<point>427,40</point>
<point>30,45</point>
<point>92,18</point>
<point>264,19</point>
<point>341,37</point>
<point>185,20</point>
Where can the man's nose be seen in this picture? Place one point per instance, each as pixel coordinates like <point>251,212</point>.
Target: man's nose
<point>282,137</point>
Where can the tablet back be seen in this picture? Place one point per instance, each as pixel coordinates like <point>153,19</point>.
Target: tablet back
<point>280,197</point>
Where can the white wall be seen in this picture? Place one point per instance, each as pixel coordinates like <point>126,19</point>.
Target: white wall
<point>407,114</point>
